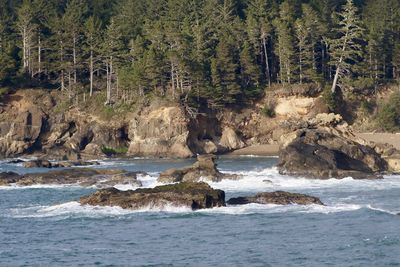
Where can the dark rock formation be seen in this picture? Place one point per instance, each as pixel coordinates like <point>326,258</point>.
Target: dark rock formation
<point>204,168</point>
<point>41,163</point>
<point>186,194</point>
<point>7,178</point>
<point>38,164</point>
<point>324,153</point>
<point>278,198</point>
<point>79,176</point>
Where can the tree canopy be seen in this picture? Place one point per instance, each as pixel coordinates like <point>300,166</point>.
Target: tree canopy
<point>218,52</point>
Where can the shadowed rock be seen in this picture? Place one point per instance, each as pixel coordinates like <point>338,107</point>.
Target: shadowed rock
<point>41,163</point>
<point>8,178</point>
<point>278,198</point>
<point>205,168</point>
<point>186,194</point>
<point>79,176</point>
<point>324,154</point>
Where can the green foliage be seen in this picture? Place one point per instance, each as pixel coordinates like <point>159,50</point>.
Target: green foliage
<point>366,107</point>
<point>109,151</point>
<point>4,91</point>
<point>388,117</point>
<point>269,110</point>
<point>329,98</point>
<point>223,52</point>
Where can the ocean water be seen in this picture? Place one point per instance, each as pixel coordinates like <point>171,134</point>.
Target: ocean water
<point>359,226</point>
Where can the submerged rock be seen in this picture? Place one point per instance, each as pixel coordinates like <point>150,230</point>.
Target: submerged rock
<point>8,178</point>
<point>186,194</point>
<point>325,152</point>
<point>278,198</point>
<point>80,176</point>
<point>37,164</point>
<point>41,163</point>
<point>205,168</point>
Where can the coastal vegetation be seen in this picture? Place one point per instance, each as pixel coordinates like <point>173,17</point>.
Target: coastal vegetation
<point>212,53</point>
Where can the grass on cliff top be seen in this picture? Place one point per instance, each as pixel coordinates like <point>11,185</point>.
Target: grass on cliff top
<point>110,151</point>
<point>4,91</point>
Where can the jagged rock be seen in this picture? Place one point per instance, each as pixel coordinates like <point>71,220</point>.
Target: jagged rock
<point>79,176</point>
<point>161,132</point>
<point>7,178</point>
<point>15,161</point>
<point>324,153</point>
<point>204,168</point>
<point>41,163</point>
<point>278,198</point>
<point>230,140</point>
<point>186,194</point>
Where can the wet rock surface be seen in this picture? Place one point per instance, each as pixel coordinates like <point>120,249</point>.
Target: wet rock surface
<point>61,164</point>
<point>186,194</point>
<point>8,178</point>
<point>327,151</point>
<point>79,176</point>
<point>204,169</point>
<point>278,198</point>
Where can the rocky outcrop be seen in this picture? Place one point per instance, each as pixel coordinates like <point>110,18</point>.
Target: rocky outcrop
<point>160,132</point>
<point>7,178</point>
<point>278,198</point>
<point>78,176</point>
<point>41,163</point>
<point>328,150</point>
<point>187,194</point>
<point>204,169</point>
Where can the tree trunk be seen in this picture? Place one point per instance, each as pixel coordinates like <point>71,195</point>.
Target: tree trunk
<point>39,56</point>
<point>75,61</point>
<point>336,78</point>
<point>91,72</point>
<point>267,70</point>
<point>301,63</point>
<point>173,80</point>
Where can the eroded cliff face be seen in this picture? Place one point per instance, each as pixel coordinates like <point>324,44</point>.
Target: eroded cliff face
<point>31,123</point>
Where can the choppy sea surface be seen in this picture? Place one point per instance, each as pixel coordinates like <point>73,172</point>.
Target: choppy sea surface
<point>359,226</point>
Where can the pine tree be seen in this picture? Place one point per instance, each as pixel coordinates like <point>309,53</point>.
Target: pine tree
<point>224,70</point>
<point>249,70</point>
<point>259,31</point>
<point>113,54</point>
<point>346,49</point>
<point>26,29</point>
<point>73,21</point>
<point>285,47</point>
<point>93,47</point>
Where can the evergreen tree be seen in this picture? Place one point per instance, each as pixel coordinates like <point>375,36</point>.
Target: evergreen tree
<point>92,47</point>
<point>249,70</point>
<point>26,29</point>
<point>73,22</point>
<point>345,48</point>
<point>224,70</point>
<point>113,55</point>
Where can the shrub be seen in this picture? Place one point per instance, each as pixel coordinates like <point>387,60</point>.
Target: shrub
<point>329,98</point>
<point>109,151</point>
<point>388,117</point>
<point>269,110</point>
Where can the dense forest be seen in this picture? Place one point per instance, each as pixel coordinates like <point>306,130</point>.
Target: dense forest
<point>218,52</point>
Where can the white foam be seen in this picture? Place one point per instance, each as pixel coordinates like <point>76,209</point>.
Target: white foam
<point>383,210</point>
<point>271,208</point>
<point>41,186</point>
<point>270,179</point>
<point>75,209</point>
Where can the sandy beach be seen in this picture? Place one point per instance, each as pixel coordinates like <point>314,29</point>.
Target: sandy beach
<point>389,138</point>
<point>273,150</point>
<point>257,150</point>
